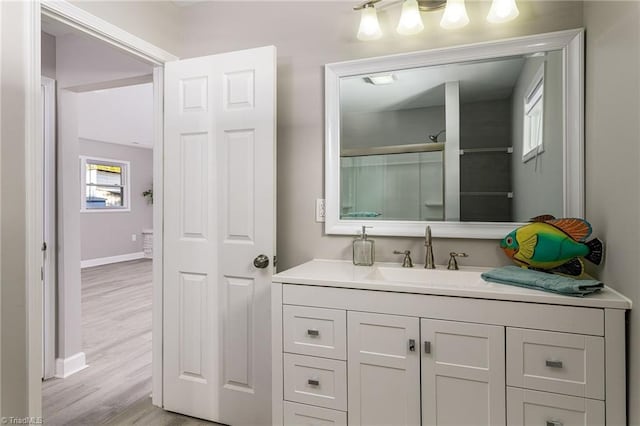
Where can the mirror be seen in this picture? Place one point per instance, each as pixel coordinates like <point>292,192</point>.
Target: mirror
<point>471,140</point>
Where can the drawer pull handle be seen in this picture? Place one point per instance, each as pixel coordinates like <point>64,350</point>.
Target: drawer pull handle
<point>313,332</point>
<point>427,347</point>
<point>553,423</point>
<point>314,382</point>
<point>553,364</point>
<point>412,345</point>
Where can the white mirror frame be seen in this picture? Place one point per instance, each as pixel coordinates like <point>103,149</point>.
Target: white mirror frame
<point>570,42</point>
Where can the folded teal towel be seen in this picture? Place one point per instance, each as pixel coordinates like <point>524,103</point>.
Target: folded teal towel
<point>361,214</point>
<point>521,277</point>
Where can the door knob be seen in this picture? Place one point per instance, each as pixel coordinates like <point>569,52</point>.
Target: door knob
<point>261,261</point>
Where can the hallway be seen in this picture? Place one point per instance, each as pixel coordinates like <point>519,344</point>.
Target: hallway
<point>116,387</point>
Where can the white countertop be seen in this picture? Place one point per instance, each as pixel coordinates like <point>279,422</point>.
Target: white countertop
<point>463,283</point>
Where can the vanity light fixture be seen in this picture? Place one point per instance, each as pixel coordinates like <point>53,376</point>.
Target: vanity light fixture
<point>454,16</point>
<point>502,11</point>
<point>380,79</point>
<point>369,26</point>
<point>410,19</point>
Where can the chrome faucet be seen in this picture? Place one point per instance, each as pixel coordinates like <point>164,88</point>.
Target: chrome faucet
<point>428,257</point>
<point>406,260</point>
<point>453,263</point>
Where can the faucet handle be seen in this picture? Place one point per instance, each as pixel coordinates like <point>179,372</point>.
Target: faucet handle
<point>453,263</point>
<point>406,260</point>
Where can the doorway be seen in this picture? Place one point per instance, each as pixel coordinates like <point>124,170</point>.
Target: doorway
<point>101,140</point>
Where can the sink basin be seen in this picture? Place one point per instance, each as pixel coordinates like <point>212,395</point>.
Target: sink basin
<point>432,277</point>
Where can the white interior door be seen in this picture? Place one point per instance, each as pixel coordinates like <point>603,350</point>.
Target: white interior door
<point>463,378</point>
<point>383,369</point>
<point>219,205</point>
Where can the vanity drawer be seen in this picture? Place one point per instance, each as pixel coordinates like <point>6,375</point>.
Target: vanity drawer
<point>533,408</point>
<point>308,415</point>
<point>571,364</point>
<point>315,331</point>
<point>315,381</point>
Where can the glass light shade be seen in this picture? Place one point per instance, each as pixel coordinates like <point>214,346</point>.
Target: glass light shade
<point>369,25</point>
<point>502,11</point>
<point>410,19</point>
<point>455,15</point>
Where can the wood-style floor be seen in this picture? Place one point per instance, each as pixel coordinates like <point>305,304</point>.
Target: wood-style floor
<point>116,323</point>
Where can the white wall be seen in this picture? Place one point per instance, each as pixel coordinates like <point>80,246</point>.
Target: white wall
<point>613,157</point>
<point>48,55</point>
<point>308,35</point>
<point>83,61</point>
<point>537,184</point>
<point>131,107</point>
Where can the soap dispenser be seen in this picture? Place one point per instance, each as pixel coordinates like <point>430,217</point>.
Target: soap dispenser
<point>363,249</point>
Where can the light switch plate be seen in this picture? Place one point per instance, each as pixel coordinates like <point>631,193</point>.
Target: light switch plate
<point>134,237</point>
<point>320,211</point>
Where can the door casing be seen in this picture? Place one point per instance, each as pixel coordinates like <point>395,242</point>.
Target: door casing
<point>49,238</point>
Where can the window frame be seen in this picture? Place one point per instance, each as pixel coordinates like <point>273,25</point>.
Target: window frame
<point>533,96</point>
<point>126,184</point>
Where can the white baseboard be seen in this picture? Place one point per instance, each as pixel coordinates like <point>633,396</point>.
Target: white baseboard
<point>113,259</point>
<point>67,366</point>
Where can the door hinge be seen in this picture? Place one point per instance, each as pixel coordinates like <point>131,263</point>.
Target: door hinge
<point>44,246</point>
<point>275,260</point>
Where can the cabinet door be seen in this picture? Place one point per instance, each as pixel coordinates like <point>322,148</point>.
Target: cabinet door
<point>383,369</point>
<point>463,368</point>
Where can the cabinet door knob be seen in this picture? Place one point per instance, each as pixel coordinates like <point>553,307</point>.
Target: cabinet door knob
<point>553,364</point>
<point>412,345</point>
<point>313,332</point>
<point>314,382</point>
<point>427,347</point>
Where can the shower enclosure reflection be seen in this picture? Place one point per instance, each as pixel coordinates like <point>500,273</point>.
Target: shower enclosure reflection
<point>402,186</point>
<point>477,141</point>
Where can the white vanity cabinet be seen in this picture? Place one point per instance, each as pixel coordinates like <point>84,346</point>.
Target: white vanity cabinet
<point>384,369</point>
<point>463,380</point>
<point>349,349</point>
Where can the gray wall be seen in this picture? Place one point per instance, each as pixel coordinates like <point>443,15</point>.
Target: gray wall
<point>155,21</point>
<point>613,156</point>
<point>79,61</point>
<point>109,234</point>
<point>13,226</point>
<point>395,127</point>
<point>309,35</point>
<point>537,184</point>
<point>48,55</point>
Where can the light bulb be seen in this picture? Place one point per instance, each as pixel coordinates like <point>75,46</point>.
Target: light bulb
<point>455,15</point>
<point>410,19</point>
<point>502,11</point>
<point>369,25</point>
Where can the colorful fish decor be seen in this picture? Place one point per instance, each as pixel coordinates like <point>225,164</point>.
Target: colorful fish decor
<point>553,245</point>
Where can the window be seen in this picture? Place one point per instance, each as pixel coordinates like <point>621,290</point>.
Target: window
<point>534,118</point>
<point>105,184</point>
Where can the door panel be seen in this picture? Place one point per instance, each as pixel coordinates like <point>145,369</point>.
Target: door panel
<point>219,215</point>
<point>462,362</point>
<point>383,371</point>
